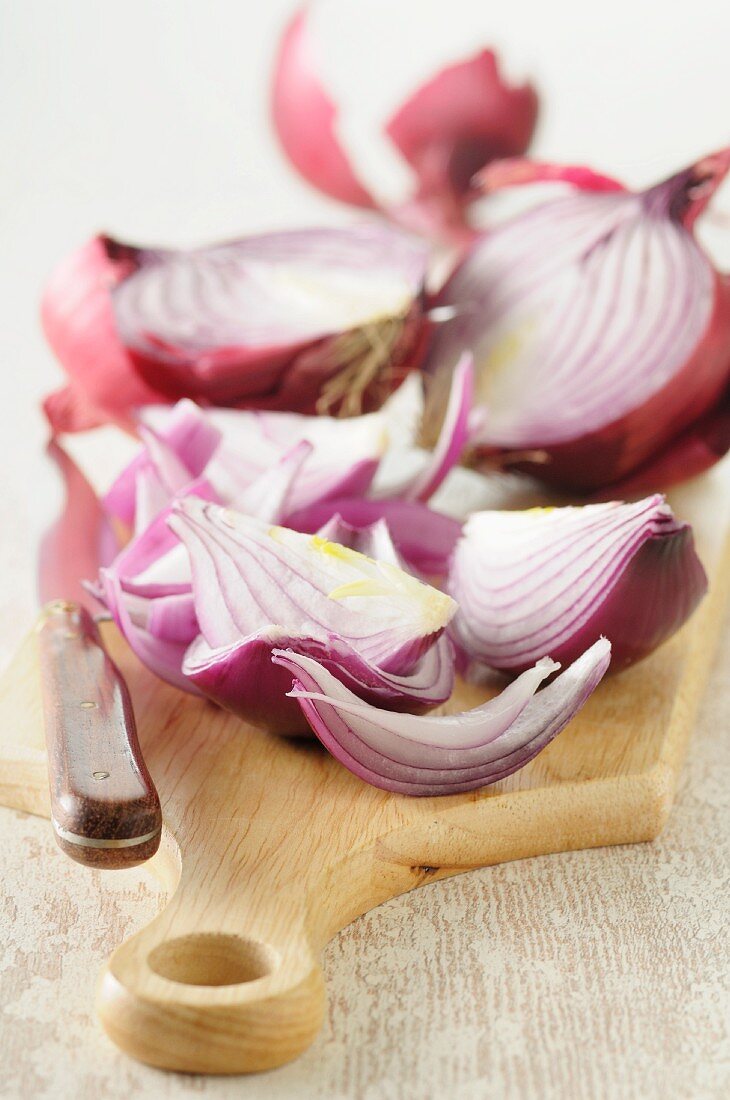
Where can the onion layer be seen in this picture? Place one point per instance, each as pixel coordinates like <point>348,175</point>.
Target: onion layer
<point>249,458</point>
<point>600,330</point>
<point>430,755</point>
<point>257,587</point>
<point>553,580</point>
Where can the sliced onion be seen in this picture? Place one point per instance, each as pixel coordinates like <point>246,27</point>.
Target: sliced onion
<point>248,576</point>
<point>553,580</point>
<point>239,452</point>
<point>430,755</point>
<point>242,678</point>
<point>424,538</point>
<point>256,586</point>
<point>186,433</point>
<point>599,328</point>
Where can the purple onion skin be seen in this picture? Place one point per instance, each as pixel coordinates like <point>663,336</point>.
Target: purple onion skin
<point>246,683</point>
<point>244,680</point>
<point>460,118</point>
<point>79,542</point>
<point>657,593</point>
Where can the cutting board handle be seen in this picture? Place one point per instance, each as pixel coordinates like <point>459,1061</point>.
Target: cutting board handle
<point>191,995</point>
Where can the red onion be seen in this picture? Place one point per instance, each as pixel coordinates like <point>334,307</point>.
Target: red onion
<point>554,580</point>
<point>243,455</point>
<point>450,127</point>
<point>415,755</point>
<point>257,588</point>
<point>423,537</point>
<point>318,319</point>
<point>600,331</point>
<point>79,542</point>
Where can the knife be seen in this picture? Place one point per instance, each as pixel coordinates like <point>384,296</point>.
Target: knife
<point>105,810</point>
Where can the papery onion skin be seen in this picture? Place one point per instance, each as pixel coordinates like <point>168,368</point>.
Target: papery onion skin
<point>428,756</point>
<point>555,580</point>
<point>105,334</point>
<point>448,128</point>
<point>78,321</point>
<point>458,121</point>
<point>79,542</point>
<point>615,445</point>
<point>304,118</point>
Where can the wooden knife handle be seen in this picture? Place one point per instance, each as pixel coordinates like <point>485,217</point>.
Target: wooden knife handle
<point>104,806</point>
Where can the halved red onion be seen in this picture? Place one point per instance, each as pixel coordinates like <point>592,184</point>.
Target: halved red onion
<point>256,585</point>
<point>449,127</point>
<point>311,320</point>
<point>553,580</point>
<point>599,327</point>
<point>430,755</point>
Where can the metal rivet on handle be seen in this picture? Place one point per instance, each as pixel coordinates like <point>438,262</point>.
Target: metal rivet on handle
<point>88,704</point>
<point>101,775</point>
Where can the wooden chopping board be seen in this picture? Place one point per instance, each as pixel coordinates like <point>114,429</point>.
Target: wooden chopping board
<point>270,846</point>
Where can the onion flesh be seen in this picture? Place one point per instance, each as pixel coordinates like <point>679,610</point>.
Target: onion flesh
<point>599,328</point>
<point>554,580</point>
<point>427,755</point>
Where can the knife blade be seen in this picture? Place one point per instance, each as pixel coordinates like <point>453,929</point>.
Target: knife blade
<point>105,809</point>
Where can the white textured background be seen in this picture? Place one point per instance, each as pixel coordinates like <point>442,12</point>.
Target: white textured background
<point>585,975</point>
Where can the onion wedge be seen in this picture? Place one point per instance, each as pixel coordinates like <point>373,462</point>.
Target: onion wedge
<point>427,755</point>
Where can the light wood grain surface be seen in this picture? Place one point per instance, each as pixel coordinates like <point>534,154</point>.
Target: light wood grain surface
<point>590,974</point>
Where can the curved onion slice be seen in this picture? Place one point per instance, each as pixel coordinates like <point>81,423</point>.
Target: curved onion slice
<point>600,330</point>
<point>242,678</point>
<point>417,755</point>
<point>148,586</point>
<point>448,128</point>
<point>312,320</point>
<point>553,580</point>
<point>147,589</point>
